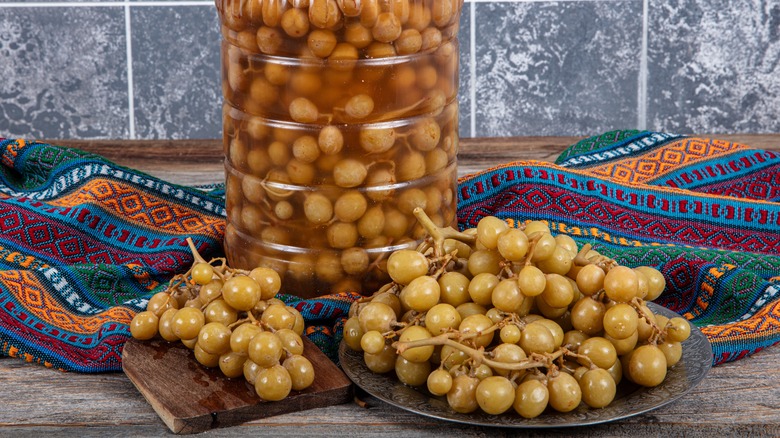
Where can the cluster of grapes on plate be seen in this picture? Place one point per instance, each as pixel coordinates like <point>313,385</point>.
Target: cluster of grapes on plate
<point>499,318</point>
<point>231,319</point>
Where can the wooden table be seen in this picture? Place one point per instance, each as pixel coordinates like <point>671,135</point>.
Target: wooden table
<point>737,399</point>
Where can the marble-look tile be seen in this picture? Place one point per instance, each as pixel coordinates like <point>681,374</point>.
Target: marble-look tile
<point>464,75</point>
<point>557,68</point>
<point>714,66</point>
<point>63,73</point>
<point>176,72</point>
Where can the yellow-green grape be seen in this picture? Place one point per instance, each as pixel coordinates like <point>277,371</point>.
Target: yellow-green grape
<point>273,383</point>
<point>536,227</point>
<point>600,351</point>
<point>160,302</point>
<point>537,338</point>
<point>475,324</point>
<point>303,110</point>
<point>372,342</point>
<point>187,322</point>
<point>495,395</point>
<point>463,249</point>
<point>144,325</point>
<point>620,321</point>
<point>412,373</point>
<point>462,396</point>
<point>531,281</point>
<point>672,351</point>
<point>420,294</point>
<point>416,354</point>
<point>205,358</point>
<point>330,140</point>
<point>512,244</point>
<point>644,328</point>
<point>202,273</point>
<point>510,334</point>
<point>452,357</point>
<point>566,242</point>
<point>214,338</point>
<point>572,339</point>
<point>565,392</point>
<point>643,284</point>
<point>544,247</point>
<point>598,388</point>
<point>441,318</point>
<point>265,349</point>
<point>507,296</point>
<point>439,382</point>
<point>405,265</point>
<point>508,353</point>
<point>232,364</point>
<point>277,316</point>
<point>381,363</point>
<point>555,330</point>
<point>656,283</point>
<point>210,291</point>
<point>301,371</point>
<point>677,330</point>
<point>488,230</point>
<point>318,209</point>
<point>165,328</point>
<point>353,334</point>
<point>484,260</point>
<point>220,311</point>
<point>467,309</point>
<point>241,292</point>
<point>623,346</point>
<point>241,335</point>
<point>481,288</point>
<point>376,316</point>
<point>377,140</point>
<point>621,284</point>
<point>587,316</point>
<point>390,299</point>
<point>560,262</point>
<point>250,371</point>
<point>300,324</point>
<point>557,291</point>
<point>292,342</point>
<point>590,279</point>
<point>190,343</point>
<point>531,398</point>
<point>359,106</point>
<point>647,366</point>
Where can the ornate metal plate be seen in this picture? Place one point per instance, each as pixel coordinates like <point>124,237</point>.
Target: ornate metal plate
<point>631,399</point>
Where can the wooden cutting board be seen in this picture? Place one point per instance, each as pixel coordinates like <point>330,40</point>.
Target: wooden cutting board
<point>191,398</point>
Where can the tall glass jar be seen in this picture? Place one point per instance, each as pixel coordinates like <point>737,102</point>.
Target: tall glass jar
<point>340,117</point>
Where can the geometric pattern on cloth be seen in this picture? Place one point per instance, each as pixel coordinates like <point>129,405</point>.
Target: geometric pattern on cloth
<point>703,211</point>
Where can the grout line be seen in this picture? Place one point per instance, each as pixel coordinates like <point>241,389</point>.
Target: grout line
<point>473,68</point>
<point>130,88</point>
<point>641,113</point>
<point>104,4</point>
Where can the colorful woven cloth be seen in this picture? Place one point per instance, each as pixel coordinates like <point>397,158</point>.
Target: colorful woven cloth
<point>705,212</point>
<point>84,242</point>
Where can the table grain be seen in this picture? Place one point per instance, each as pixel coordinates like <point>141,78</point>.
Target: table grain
<point>735,399</point>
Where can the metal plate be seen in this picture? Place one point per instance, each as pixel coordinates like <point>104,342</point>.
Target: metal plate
<point>630,400</point>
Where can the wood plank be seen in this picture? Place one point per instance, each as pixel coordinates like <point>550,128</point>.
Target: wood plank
<point>190,398</point>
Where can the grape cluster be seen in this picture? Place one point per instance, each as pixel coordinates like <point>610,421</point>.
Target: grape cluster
<point>499,318</point>
<point>231,319</point>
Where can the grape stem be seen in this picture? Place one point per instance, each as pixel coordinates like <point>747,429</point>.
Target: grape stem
<point>440,234</point>
<point>658,332</point>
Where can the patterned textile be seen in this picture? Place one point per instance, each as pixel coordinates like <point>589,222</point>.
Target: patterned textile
<point>85,242</point>
<point>703,211</point>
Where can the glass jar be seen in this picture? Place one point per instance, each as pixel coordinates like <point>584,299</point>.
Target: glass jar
<point>340,117</point>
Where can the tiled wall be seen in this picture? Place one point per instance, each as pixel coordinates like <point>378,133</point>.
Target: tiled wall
<point>149,69</point>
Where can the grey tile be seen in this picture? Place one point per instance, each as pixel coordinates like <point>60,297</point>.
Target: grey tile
<point>176,74</point>
<point>63,81</point>
<point>714,66</point>
<point>464,90</point>
<point>557,68</point>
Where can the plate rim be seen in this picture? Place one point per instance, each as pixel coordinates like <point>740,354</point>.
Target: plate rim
<point>697,338</point>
